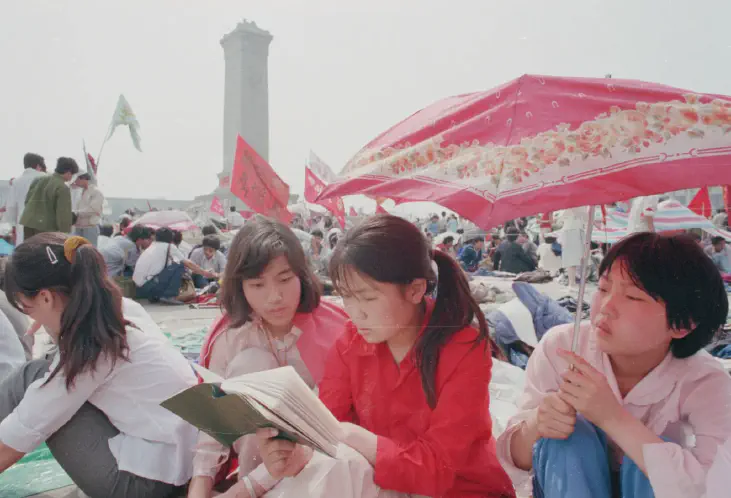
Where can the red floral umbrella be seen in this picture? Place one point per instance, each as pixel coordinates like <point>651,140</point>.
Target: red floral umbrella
<point>540,143</point>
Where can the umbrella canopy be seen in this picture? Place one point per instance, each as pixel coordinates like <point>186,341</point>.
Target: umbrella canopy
<point>671,215</point>
<point>540,143</point>
<point>174,220</point>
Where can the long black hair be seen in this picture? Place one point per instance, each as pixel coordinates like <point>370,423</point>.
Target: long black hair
<point>392,250</point>
<point>92,324</point>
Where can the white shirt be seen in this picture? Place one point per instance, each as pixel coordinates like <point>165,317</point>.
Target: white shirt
<point>152,261</point>
<point>643,208</point>
<point>547,259</point>
<point>103,241</point>
<point>575,218</point>
<point>16,197</point>
<point>152,442</point>
<point>235,219</point>
<point>90,207</point>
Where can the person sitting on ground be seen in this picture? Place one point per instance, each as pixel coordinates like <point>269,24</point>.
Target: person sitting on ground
<point>273,316</point>
<point>528,246</point>
<point>124,222</point>
<point>96,404</point>
<point>407,379</point>
<point>184,247</point>
<point>471,255</point>
<point>547,258</point>
<point>105,236</point>
<point>159,271</point>
<point>720,254</point>
<point>122,253</point>
<point>210,258</point>
<point>510,256</point>
<point>639,407</point>
<point>12,354</point>
<point>447,245</point>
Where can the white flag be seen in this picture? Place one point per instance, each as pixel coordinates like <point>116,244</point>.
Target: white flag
<point>125,116</point>
<point>321,169</point>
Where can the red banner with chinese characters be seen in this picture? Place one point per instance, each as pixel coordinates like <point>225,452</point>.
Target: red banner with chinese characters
<point>216,206</point>
<point>254,182</point>
<point>726,197</point>
<point>313,187</point>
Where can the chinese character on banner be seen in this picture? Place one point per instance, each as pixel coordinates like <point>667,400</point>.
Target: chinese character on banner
<point>254,182</point>
<point>216,206</point>
<point>317,174</point>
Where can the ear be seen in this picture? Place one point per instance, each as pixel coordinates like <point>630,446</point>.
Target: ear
<point>415,291</point>
<point>680,333</point>
<point>44,296</point>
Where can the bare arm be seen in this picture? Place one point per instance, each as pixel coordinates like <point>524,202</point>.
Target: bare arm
<point>8,456</point>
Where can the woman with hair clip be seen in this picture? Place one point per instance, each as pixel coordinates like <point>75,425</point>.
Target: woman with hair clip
<point>408,379</point>
<point>97,403</point>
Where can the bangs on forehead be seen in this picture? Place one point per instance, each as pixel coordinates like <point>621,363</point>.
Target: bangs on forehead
<point>262,253</point>
<point>342,279</point>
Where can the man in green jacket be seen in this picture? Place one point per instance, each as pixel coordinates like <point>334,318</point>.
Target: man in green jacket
<point>48,203</point>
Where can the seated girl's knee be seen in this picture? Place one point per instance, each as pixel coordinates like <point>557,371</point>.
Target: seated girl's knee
<point>585,433</point>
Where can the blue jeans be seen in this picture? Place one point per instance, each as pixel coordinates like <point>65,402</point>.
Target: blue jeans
<point>578,467</point>
<point>200,281</point>
<point>165,284</point>
<point>89,233</point>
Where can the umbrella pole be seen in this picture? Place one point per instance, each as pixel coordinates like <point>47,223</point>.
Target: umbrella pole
<point>582,286</point>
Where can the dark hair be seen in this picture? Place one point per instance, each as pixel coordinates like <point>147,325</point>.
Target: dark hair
<point>317,233</point>
<point>84,176</point>
<point>138,232</point>
<point>392,250</point>
<point>695,236</point>
<point>260,241</point>
<point>717,240</point>
<point>212,242</point>
<point>164,234</point>
<point>177,237</point>
<point>31,160</point>
<point>125,223</point>
<point>232,209</point>
<point>328,223</point>
<point>448,240</point>
<point>92,324</point>
<point>209,230</point>
<point>675,271</point>
<point>549,239</point>
<point>106,230</point>
<point>66,165</point>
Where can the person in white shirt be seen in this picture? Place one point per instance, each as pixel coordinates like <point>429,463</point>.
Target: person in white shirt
<point>572,237</point>
<point>105,236</point>
<point>642,214</point>
<point>210,258</point>
<point>35,166</point>
<point>159,271</point>
<point>547,259</point>
<point>12,354</point>
<point>96,404</point>
<point>234,219</point>
<point>89,209</point>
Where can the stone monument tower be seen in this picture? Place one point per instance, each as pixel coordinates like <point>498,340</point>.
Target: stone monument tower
<point>246,96</point>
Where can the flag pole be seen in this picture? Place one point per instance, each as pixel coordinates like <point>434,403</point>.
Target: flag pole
<point>101,149</point>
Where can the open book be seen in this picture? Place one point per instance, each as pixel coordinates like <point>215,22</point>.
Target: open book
<point>231,408</point>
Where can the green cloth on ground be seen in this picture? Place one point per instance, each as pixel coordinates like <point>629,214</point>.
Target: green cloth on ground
<point>37,472</point>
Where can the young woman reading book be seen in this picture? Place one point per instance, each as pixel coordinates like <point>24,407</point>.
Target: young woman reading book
<point>611,419</point>
<point>273,317</point>
<point>97,404</point>
<point>408,378</point>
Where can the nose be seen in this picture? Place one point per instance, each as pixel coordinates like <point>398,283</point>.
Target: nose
<point>275,295</point>
<point>354,311</point>
<point>608,304</point>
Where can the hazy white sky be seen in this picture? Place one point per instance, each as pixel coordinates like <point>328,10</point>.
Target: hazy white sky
<point>340,71</point>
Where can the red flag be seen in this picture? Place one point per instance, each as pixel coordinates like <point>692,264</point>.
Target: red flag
<point>313,187</point>
<point>701,203</point>
<point>254,182</point>
<point>216,206</point>
<point>726,197</point>
<point>380,210</point>
<point>353,212</point>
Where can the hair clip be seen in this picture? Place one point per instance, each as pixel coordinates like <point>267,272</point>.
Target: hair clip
<point>51,255</point>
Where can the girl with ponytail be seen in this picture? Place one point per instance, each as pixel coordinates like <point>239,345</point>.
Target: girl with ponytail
<point>97,402</point>
<point>408,378</point>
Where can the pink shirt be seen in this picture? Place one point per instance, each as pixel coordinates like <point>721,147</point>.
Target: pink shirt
<point>679,398</point>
